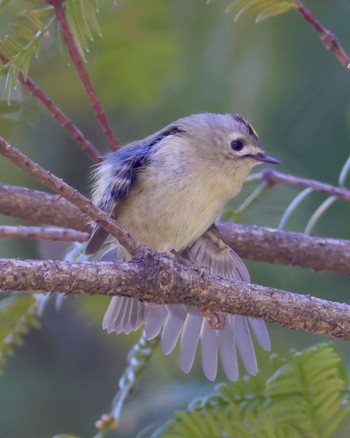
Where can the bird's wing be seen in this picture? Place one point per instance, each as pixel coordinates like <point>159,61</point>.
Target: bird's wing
<point>114,178</point>
<point>112,181</point>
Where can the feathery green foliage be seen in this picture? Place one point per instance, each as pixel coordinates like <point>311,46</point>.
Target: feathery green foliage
<point>265,8</point>
<point>27,34</point>
<point>82,20</point>
<point>18,313</point>
<point>23,43</point>
<point>304,397</point>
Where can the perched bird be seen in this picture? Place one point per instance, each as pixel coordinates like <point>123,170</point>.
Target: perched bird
<point>167,190</point>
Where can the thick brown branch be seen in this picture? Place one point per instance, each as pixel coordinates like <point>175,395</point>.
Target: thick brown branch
<point>41,208</point>
<point>327,38</point>
<point>83,74</point>
<point>65,121</point>
<point>254,243</point>
<point>159,280</point>
<point>286,248</point>
<point>59,186</point>
<point>271,177</point>
<point>48,233</point>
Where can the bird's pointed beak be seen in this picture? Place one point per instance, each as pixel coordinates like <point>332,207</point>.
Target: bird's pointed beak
<point>266,159</point>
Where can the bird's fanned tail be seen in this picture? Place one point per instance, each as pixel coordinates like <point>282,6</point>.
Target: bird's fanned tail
<point>187,324</point>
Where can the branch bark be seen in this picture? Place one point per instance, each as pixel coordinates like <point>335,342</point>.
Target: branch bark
<point>41,208</point>
<point>59,186</point>
<point>63,119</point>
<point>160,280</point>
<point>254,243</point>
<point>47,233</point>
<point>328,39</point>
<point>83,74</point>
<point>271,177</point>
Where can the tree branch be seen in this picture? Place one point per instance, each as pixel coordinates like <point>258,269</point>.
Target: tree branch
<point>48,233</point>
<point>271,177</point>
<point>254,243</point>
<point>83,74</point>
<point>160,280</point>
<point>328,39</point>
<point>41,208</point>
<point>59,186</point>
<point>320,254</point>
<point>65,121</point>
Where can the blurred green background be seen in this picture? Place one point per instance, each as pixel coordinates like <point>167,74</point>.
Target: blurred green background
<point>157,61</point>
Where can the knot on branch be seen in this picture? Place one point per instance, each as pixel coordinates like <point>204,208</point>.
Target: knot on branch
<point>329,40</point>
<point>269,177</point>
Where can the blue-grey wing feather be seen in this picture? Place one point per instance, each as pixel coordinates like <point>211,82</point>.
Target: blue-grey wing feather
<point>116,176</point>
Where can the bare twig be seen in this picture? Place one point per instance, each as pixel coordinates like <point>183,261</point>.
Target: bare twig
<point>328,39</point>
<point>271,177</point>
<point>160,280</point>
<point>48,233</point>
<point>255,243</point>
<point>59,186</point>
<point>83,74</point>
<point>65,121</point>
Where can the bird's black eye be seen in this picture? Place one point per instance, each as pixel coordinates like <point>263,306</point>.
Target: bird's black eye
<point>237,145</point>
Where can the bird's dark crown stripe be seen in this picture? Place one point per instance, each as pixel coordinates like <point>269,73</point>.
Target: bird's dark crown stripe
<point>251,130</point>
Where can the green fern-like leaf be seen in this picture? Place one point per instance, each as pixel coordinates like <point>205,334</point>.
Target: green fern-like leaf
<point>17,315</point>
<point>19,48</point>
<point>82,21</point>
<point>4,3</point>
<point>265,8</point>
<point>304,397</point>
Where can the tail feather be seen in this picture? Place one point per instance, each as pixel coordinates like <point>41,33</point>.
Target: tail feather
<point>172,327</point>
<point>228,352</point>
<point>174,322</point>
<point>210,346</point>
<point>244,343</point>
<point>189,340</point>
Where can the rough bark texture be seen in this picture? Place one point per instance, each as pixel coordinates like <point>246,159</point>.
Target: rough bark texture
<point>254,243</point>
<point>160,280</point>
<point>286,248</point>
<point>41,208</point>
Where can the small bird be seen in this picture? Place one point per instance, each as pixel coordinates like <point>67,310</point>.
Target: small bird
<point>167,190</point>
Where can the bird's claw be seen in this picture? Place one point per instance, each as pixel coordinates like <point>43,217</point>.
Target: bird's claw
<point>216,320</point>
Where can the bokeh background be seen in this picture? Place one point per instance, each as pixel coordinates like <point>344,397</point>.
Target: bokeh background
<point>157,61</point>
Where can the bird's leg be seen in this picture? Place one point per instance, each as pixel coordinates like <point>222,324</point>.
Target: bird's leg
<point>181,259</point>
<point>216,320</point>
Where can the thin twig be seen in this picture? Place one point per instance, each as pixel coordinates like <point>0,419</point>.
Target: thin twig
<point>59,186</point>
<point>328,39</point>
<point>271,177</point>
<point>47,233</point>
<point>320,254</point>
<point>64,120</point>
<point>83,74</point>
<point>160,280</point>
